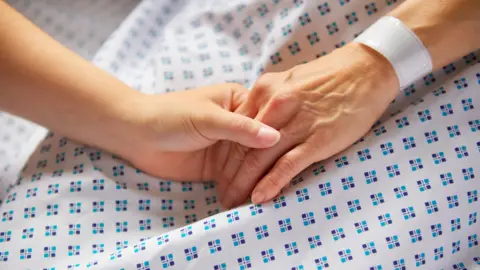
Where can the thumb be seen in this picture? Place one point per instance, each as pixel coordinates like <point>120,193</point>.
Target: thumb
<point>241,129</point>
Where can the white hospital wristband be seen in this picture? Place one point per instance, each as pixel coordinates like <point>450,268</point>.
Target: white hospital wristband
<point>403,49</point>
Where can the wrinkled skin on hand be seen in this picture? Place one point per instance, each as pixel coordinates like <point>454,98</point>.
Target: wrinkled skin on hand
<point>320,108</point>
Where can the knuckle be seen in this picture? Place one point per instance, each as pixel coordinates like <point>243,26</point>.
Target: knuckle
<point>265,82</point>
<point>273,183</point>
<point>285,100</point>
<point>287,167</point>
<point>279,101</point>
<point>283,173</point>
<point>265,79</point>
<point>293,133</point>
<point>265,86</point>
<point>235,86</point>
<point>252,162</point>
<point>238,151</point>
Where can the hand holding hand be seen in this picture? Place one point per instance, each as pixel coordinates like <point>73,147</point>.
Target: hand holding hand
<point>178,135</point>
<point>320,108</point>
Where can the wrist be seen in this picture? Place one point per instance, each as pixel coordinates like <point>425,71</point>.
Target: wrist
<point>118,125</point>
<point>368,64</point>
<point>367,80</point>
<point>448,29</point>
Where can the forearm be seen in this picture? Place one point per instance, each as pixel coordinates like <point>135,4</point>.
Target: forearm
<point>449,29</point>
<point>48,84</point>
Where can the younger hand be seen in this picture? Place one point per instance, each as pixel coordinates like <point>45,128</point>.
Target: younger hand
<point>178,135</point>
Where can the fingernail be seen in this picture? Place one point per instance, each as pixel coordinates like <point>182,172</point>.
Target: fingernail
<point>257,197</point>
<point>269,135</point>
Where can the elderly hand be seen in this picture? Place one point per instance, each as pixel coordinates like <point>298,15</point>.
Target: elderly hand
<point>320,108</point>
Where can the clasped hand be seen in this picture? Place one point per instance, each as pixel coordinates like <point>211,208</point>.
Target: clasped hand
<point>320,108</point>
<point>309,113</point>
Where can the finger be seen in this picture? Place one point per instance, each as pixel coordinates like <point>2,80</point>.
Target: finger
<point>240,103</point>
<point>258,97</point>
<point>286,168</point>
<point>247,106</point>
<point>228,95</point>
<point>220,155</point>
<point>279,111</point>
<point>236,152</point>
<point>255,165</point>
<point>247,132</point>
<point>236,155</point>
<point>258,104</point>
<point>234,127</point>
<point>240,172</point>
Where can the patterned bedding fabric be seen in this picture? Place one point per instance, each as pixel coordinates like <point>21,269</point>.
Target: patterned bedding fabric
<point>82,26</point>
<point>18,139</point>
<point>404,196</point>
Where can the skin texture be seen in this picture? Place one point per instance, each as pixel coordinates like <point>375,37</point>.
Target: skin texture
<point>46,83</point>
<point>170,135</point>
<point>324,106</point>
<point>448,28</point>
<point>320,108</point>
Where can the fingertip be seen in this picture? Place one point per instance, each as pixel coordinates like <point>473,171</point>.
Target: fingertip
<point>268,136</point>
<point>258,197</point>
<point>263,192</point>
